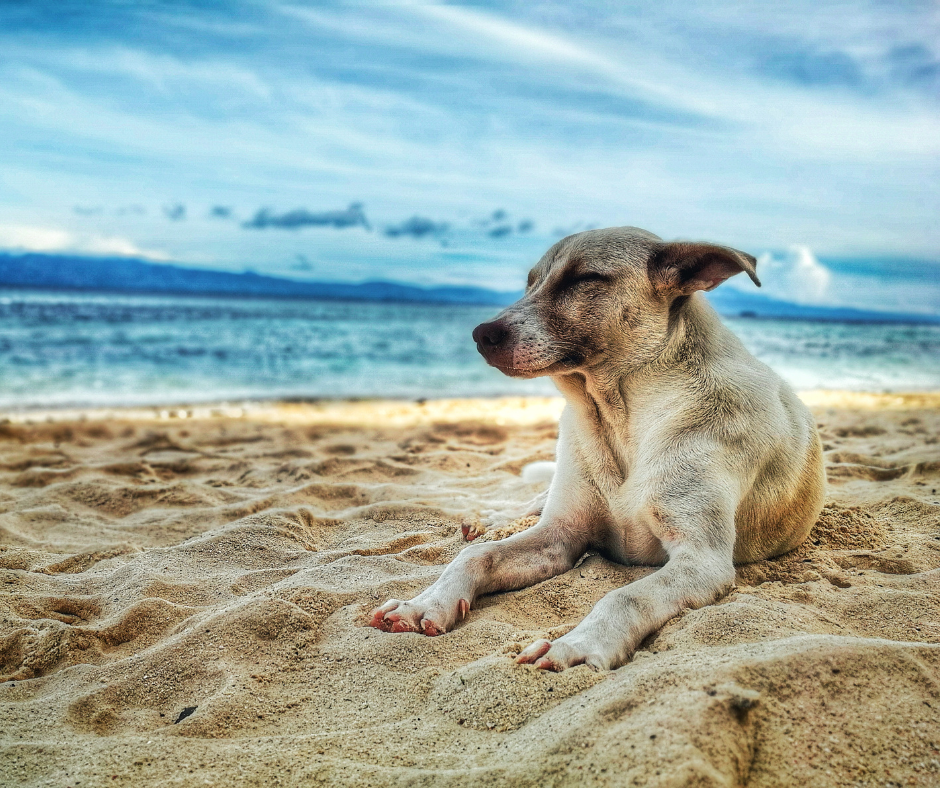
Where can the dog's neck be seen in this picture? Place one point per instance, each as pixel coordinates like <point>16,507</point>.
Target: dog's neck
<point>694,331</point>
<point>600,407</point>
<point>602,398</point>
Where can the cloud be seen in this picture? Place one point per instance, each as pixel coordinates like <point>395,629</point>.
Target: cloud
<point>795,276</point>
<point>175,212</point>
<point>525,226</point>
<point>500,231</point>
<point>915,65</point>
<point>87,210</point>
<point>220,212</point>
<point>353,216</point>
<point>815,68</point>
<point>48,239</point>
<point>165,73</point>
<point>416,227</point>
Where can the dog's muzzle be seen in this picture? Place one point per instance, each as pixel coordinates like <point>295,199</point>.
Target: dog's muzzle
<point>493,343</point>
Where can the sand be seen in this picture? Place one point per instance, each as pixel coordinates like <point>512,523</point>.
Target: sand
<point>184,593</point>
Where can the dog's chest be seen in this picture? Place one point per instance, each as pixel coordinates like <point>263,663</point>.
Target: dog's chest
<point>623,534</point>
<point>604,457</point>
<point>613,471</point>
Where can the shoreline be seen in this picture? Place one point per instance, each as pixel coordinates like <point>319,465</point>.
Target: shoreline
<point>523,410</point>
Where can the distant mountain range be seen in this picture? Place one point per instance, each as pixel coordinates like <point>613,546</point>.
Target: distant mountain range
<point>123,275</point>
<point>734,303</point>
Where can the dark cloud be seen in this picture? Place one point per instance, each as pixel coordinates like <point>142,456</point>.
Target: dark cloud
<point>498,216</point>
<point>499,225</point>
<point>352,216</point>
<point>220,212</point>
<point>87,210</point>
<point>175,212</point>
<point>916,66</point>
<point>815,68</point>
<point>416,227</point>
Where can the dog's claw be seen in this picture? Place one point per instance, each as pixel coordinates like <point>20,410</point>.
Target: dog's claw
<point>402,626</point>
<point>534,652</point>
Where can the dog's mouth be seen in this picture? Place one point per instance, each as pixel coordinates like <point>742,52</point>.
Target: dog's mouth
<point>554,366</point>
<point>522,357</point>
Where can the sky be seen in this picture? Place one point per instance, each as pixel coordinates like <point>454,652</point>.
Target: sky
<point>442,143</point>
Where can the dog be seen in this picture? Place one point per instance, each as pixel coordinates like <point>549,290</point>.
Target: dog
<point>677,448</point>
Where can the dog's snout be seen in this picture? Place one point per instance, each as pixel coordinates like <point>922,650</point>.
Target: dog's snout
<point>490,335</point>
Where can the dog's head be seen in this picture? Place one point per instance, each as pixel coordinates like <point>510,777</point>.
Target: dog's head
<point>602,296</point>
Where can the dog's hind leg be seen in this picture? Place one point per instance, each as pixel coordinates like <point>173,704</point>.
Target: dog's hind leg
<point>525,558</point>
<point>502,518</point>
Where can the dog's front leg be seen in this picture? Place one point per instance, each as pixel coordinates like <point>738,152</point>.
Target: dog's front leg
<point>699,570</point>
<point>547,549</point>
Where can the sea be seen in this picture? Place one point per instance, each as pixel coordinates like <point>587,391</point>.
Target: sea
<point>80,349</point>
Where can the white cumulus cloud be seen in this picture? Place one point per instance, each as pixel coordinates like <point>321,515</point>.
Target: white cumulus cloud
<point>795,276</point>
<point>26,238</point>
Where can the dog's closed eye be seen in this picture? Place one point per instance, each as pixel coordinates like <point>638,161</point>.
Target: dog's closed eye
<point>576,278</point>
<point>589,276</point>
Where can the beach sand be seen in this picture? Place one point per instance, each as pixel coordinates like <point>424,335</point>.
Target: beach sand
<point>184,595</point>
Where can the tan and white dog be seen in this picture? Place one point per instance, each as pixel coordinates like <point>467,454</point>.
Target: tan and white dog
<point>677,447</point>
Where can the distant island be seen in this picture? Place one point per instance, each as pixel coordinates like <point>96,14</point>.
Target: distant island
<point>125,275</point>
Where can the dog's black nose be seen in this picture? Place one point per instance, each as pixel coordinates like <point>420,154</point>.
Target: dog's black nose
<point>489,335</point>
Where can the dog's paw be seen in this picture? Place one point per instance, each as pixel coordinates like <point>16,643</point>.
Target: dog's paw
<point>489,520</point>
<point>472,530</point>
<point>559,655</point>
<point>496,530</point>
<point>426,619</point>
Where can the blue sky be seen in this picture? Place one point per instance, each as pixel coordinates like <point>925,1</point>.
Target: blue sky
<point>442,143</point>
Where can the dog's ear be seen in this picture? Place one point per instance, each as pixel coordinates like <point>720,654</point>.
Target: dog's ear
<point>685,267</point>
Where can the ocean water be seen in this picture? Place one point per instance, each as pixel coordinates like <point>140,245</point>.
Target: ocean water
<point>64,349</point>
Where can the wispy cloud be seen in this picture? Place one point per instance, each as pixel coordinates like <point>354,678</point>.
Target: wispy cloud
<point>175,212</point>
<point>416,227</point>
<point>353,216</point>
<point>164,73</point>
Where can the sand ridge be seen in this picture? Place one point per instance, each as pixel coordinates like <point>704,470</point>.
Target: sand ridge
<point>183,599</point>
